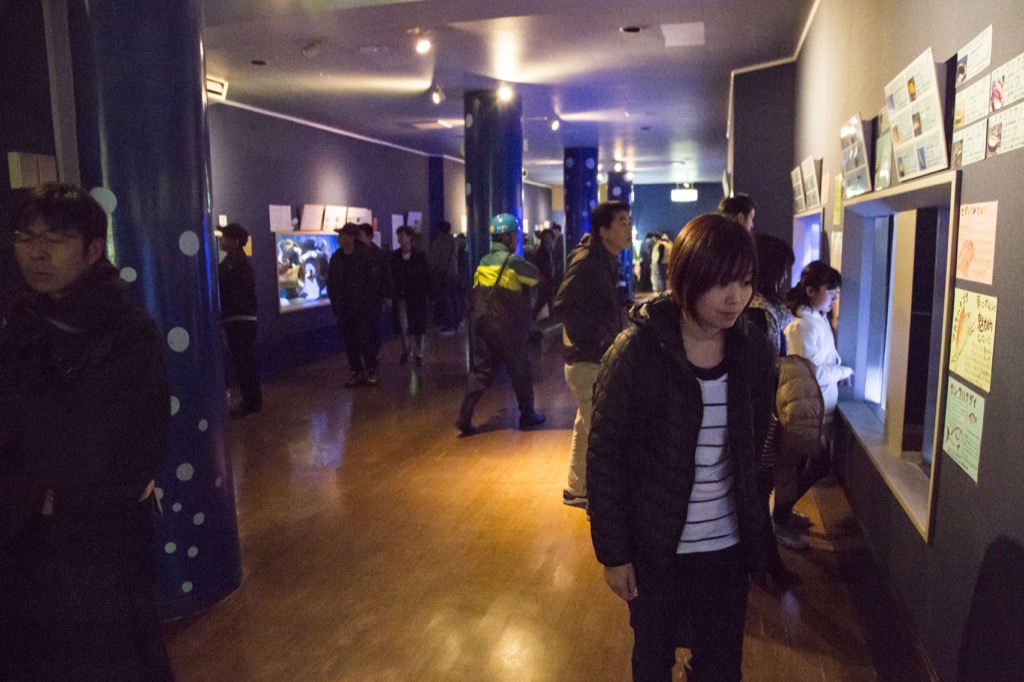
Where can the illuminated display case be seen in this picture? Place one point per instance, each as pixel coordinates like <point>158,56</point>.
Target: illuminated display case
<point>302,259</point>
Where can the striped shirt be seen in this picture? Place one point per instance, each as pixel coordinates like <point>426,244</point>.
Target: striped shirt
<point>711,522</point>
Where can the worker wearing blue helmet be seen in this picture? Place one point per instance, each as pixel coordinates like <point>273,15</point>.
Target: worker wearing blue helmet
<point>501,318</point>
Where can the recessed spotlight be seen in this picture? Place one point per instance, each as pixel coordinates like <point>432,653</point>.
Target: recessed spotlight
<point>556,124</point>
<point>437,94</point>
<point>423,45</point>
<point>505,93</point>
<point>258,62</point>
<point>632,29</point>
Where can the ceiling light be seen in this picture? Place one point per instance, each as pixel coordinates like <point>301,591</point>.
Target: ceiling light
<point>444,123</point>
<point>423,45</point>
<point>556,124</point>
<point>617,167</point>
<point>678,164</point>
<point>505,93</point>
<point>437,94</point>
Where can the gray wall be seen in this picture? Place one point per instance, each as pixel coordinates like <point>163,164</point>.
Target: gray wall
<point>762,138</point>
<point>654,211</point>
<point>852,51</point>
<point>536,205</point>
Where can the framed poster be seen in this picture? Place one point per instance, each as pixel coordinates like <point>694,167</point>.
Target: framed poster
<point>810,168</point>
<point>334,217</point>
<point>359,215</point>
<point>302,260</point>
<point>856,164</point>
<point>799,205</point>
<point>312,218</point>
<point>883,152</point>
<point>914,107</point>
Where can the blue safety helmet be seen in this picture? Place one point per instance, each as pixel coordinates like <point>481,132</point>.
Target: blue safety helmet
<point>503,223</point>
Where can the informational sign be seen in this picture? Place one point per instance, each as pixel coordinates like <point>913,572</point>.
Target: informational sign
<point>969,144</point>
<point>334,217</point>
<point>1005,131</point>
<point>855,158</point>
<point>974,57</point>
<point>281,218</point>
<point>810,169</point>
<point>799,206</point>
<point>971,105</point>
<point>965,419</point>
<point>1007,84</point>
<point>976,243</point>
<point>359,215</point>
<point>973,337</point>
<point>883,152</point>
<point>915,114</point>
<point>312,218</point>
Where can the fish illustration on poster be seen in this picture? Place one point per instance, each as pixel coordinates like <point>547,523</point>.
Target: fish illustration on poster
<point>973,337</point>
<point>965,418</point>
<point>976,242</point>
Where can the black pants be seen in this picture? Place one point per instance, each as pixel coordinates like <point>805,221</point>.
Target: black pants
<point>361,331</point>
<point>704,595</point>
<point>241,335</point>
<point>495,345</point>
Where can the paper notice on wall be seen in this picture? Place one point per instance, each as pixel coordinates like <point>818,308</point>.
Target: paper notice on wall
<point>1005,131</point>
<point>973,337</point>
<point>915,112</point>
<point>974,57</point>
<point>1007,84</point>
<point>334,217</point>
<point>971,105</point>
<point>969,144</point>
<point>280,218</point>
<point>965,417</point>
<point>976,243</point>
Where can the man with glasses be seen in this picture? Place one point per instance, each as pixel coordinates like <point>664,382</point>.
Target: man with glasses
<point>84,428</point>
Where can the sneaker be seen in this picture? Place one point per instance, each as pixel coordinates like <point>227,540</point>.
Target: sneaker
<point>465,426</point>
<point>357,379</point>
<point>528,421</point>
<point>403,358</point>
<point>571,500</point>
<point>419,361</point>
<point>371,377</point>
<point>790,538</point>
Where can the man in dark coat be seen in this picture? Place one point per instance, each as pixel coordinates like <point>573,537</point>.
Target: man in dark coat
<point>84,399</point>
<point>238,314</point>
<point>592,305</point>
<point>410,290</point>
<point>355,286</point>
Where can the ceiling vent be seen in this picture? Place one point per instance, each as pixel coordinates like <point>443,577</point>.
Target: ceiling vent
<point>216,88</point>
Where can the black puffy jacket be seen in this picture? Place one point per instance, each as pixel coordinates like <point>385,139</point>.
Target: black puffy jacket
<point>647,416</point>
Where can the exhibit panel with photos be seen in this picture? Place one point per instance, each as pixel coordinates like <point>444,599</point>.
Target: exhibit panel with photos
<point>302,260</point>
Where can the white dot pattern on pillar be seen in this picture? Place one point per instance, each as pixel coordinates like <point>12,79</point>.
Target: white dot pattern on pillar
<point>178,339</point>
<point>203,425</point>
<point>570,162</point>
<point>170,548</point>
<point>469,120</point>
<point>176,507</point>
<point>589,183</point>
<point>193,552</point>
<point>616,191</point>
<point>186,587</point>
<point>129,274</point>
<point>199,518</point>
<point>593,203</point>
<point>175,405</point>
<point>185,472</point>
<point>105,198</point>
<point>590,164</point>
<point>219,482</point>
<point>188,242</point>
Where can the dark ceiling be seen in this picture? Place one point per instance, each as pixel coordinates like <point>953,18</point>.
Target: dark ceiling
<point>657,100</point>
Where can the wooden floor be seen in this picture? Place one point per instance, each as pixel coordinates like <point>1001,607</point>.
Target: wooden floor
<point>377,546</point>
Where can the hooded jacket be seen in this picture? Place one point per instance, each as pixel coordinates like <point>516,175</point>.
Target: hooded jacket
<point>647,417</point>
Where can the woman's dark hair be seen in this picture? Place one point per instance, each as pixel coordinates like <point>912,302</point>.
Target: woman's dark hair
<point>710,250</point>
<point>815,274</point>
<point>62,208</point>
<point>774,265</point>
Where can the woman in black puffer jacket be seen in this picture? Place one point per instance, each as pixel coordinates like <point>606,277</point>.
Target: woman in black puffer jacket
<point>682,404</point>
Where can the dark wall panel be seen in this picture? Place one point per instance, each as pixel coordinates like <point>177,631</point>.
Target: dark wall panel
<point>536,205</point>
<point>258,160</point>
<point>654,210</point>
<point>851,52</point>
<point>763,145</point>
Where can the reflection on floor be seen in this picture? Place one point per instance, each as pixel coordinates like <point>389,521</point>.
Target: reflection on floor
<point>379,547</point>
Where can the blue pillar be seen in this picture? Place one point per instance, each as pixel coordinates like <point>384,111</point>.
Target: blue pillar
<point>494,165</point>
<point>435,196</point>
<point>142,133</point>
<point>580,192</point>
<point>621,189</point>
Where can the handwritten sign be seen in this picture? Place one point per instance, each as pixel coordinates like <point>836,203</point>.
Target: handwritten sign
<point>973,337</point>
<point>965,417</point>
